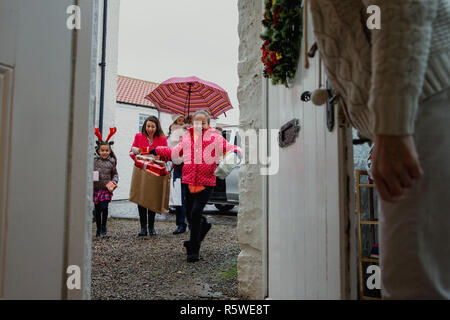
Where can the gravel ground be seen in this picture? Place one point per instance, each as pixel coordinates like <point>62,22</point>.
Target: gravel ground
<point>127,267</point>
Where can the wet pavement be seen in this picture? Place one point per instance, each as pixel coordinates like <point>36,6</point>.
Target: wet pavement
<point>125,266</point>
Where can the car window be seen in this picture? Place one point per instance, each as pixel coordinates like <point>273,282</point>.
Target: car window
<point>226,134</point>
<point>237,139</point>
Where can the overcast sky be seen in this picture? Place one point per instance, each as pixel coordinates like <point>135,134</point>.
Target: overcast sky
<point>162,39</point>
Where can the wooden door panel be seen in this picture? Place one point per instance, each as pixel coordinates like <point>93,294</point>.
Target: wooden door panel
<point>45,125</point>
<point>306,235</point>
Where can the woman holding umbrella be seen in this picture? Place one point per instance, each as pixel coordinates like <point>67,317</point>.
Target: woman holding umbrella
<point>199,149</point>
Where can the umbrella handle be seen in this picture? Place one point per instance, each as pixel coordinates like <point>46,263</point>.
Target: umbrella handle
<point>189,99</point>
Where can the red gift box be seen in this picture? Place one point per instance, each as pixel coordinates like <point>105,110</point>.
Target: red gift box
<point>156,168</point>
<point>111,186</point>
<point>151,167</point>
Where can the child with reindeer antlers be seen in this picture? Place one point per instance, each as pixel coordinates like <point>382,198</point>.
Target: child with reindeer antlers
<point>105,179</point>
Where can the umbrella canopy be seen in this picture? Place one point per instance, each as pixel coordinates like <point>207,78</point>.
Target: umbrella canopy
<point>190,94</point>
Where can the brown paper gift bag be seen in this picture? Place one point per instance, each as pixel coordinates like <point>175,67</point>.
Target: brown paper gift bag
<point>150,191</point>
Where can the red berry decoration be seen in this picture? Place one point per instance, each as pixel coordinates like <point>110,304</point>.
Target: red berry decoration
<point>282,39</point>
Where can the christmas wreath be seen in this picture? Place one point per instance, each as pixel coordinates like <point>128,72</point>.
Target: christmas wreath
<point>282,39</point>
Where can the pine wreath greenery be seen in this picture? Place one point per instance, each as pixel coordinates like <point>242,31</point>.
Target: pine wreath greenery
<point>282,39</point>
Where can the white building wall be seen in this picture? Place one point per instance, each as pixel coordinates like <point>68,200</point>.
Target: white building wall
<point>127,123</point>
<point>124,117</point>
<point>231,118</point>
<point>112,56</point>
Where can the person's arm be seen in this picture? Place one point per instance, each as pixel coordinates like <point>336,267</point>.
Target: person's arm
<point>227,147</point>
<point>400,51</point>
<point>163,143</point>
<point>135,144</point>
<point>175,154</point>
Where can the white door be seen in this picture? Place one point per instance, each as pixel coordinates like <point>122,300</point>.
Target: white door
<point>46,123</point>
<point>309,250</point>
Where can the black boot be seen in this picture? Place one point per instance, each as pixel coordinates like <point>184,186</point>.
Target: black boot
<point>143,221</point>
<point>205,226</point>
<point>192,251</point>
<point>181,229</point>
<point>98,221</point>
<point>104,220</point>
<point>187,245</point>
<point>143,232</point>
<point>151,223</point>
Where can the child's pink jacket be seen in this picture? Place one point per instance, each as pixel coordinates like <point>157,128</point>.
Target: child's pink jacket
<point>200,158</point>
<point>141,141</point>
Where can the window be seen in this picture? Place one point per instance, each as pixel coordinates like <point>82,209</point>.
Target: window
<point>142,118</point>
<point>226,134</point>
<point>237,139</point>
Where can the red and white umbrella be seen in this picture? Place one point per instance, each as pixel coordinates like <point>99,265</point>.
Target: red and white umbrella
<point>189,94</point>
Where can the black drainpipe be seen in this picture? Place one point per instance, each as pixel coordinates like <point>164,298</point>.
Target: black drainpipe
<point>103,66</point>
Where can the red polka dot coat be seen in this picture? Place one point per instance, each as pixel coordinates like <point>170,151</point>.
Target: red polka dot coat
<point>200,157</point>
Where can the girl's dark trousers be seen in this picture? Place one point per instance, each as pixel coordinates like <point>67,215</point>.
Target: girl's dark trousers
<point>195,203</point>
<point>145,216</point>
<point>101,216</point>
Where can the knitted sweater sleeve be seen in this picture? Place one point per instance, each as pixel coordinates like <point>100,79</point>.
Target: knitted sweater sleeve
<point>400,51</point>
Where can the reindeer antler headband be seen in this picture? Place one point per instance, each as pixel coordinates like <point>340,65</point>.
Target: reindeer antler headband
<point>100,141</point>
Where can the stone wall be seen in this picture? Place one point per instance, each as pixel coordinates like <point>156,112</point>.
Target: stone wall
<point>251,204</point>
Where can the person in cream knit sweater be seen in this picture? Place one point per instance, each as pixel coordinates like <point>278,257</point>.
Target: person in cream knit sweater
<point>394,86</point>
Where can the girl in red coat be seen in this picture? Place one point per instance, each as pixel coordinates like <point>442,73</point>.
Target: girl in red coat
<point>199,149</point>
<point>150,137</point>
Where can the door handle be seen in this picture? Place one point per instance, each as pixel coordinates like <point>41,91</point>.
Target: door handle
<point>329,111</point>
<point>330,108</point>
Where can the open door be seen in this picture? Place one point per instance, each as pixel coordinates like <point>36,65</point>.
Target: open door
<point>46,126</point>
<point>310,246</point>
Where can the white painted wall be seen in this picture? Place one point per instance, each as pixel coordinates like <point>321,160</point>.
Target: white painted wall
<point>124,117</point>
<point>127,123</point>
<point>112,56</point>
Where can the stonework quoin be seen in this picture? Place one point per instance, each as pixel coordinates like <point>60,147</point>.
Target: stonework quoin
<point>250,216</point>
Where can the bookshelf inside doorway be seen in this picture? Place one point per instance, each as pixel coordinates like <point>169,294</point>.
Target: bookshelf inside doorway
<point>372,223</point>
